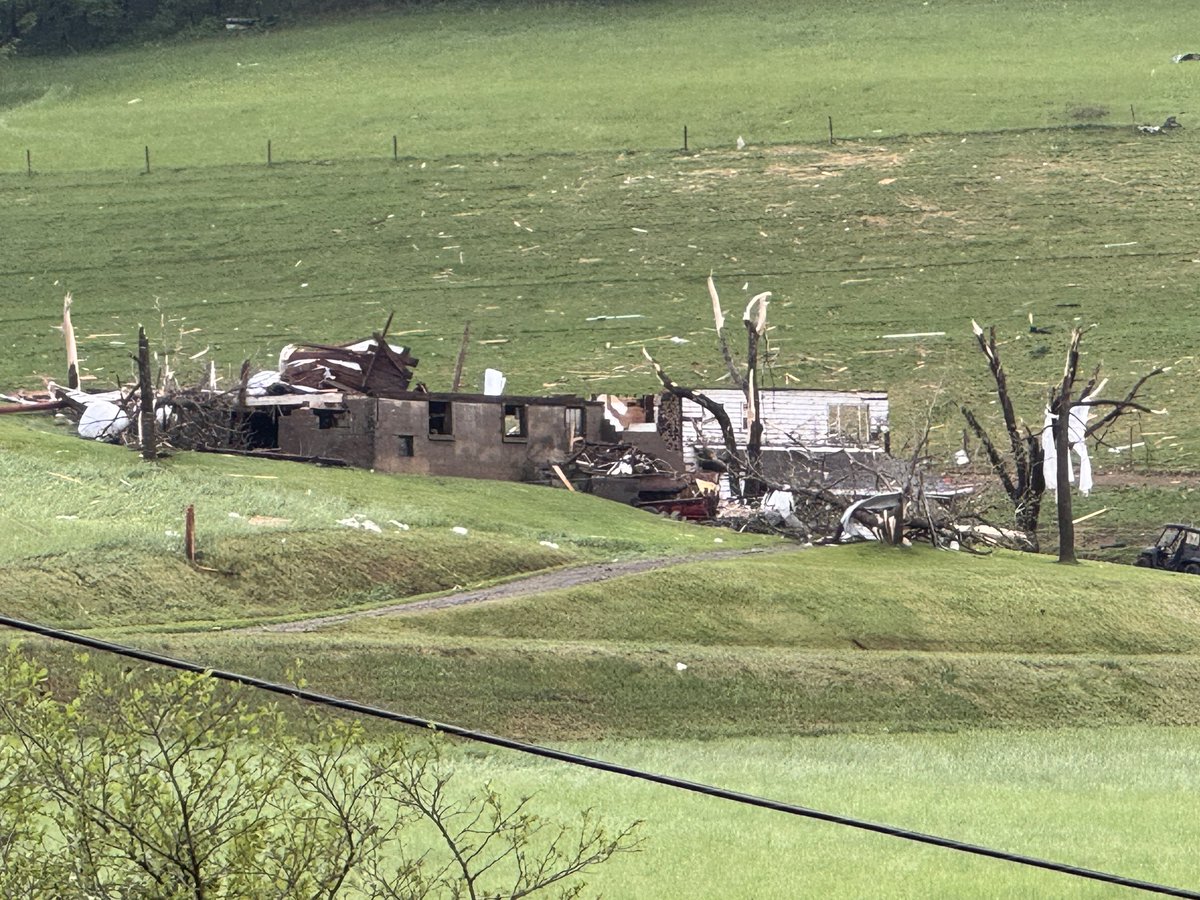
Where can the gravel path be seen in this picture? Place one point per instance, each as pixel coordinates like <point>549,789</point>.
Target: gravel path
<point>534,584</point>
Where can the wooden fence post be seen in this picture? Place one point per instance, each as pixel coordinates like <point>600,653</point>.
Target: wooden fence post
<point>189,533</point>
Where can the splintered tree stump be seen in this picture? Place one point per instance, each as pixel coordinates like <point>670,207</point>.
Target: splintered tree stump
<point>146,390</point>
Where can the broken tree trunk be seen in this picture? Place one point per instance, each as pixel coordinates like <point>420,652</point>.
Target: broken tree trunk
<point>1024,484</point>
<point>462,359</point>
<point>756,327</point>
<point>735,374</point>
<point>72,350</point>
<point>146,389</point>
<point>716,410</point>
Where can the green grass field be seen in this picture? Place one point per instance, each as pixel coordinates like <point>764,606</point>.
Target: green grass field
<point>984,168</point>
<point>1002,700</point>
<point>1106,800</point>
<point>1006,196</point>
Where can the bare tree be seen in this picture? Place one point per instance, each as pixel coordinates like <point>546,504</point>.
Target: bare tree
<point>1022,471</point>
<point>743,466</point>
<point>820,504</point>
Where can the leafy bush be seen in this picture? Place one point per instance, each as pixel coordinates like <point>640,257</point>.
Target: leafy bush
<point>143,785</point>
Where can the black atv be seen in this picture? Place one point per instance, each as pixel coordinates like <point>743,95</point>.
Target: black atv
<point>1176,550</point>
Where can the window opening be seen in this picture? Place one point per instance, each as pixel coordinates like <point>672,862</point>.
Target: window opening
<point>849,423</point>
<point>441,420</point>
<point>515,422</point>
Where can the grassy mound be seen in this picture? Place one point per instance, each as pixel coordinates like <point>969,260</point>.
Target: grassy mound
<point>95,536</point>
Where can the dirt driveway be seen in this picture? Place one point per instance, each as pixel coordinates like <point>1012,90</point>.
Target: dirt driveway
<point>534,584</point>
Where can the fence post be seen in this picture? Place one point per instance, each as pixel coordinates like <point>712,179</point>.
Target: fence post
<point>831,131</point>
<point>685,146</point>
<point>268,152</point>
<point>28,163</point>
<point>189,533</point>
<point>147,160</point>
<point>395,149</point>
<point>146,418</point>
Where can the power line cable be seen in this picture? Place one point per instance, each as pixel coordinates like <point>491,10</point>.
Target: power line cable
<point>587,762</point>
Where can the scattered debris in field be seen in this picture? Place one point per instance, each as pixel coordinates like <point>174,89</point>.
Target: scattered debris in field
<point>1169,125</point>
<point>359,521</point>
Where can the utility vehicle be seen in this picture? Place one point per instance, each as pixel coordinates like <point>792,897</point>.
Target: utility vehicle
<point>1176,550</point>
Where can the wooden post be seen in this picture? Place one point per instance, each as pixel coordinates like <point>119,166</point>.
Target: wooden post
<point>146,391</point>
<point>147,160</point>
<point>685,146</point>
<point>462,358</point>
<point>238,417</point>
<point>831,131</point>
<point>28,163</point>
<point>395,148</point>
<point>268,152</point>
<point>189,533</point>
<point>1133,118</point>
<point>243,385</point>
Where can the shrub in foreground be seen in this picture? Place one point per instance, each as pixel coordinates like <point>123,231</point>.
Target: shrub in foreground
<point>140,785</point>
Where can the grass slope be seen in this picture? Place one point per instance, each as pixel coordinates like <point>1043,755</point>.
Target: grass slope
<point>90,529</point>
<point>808,641</point>
<point>805,642</point>
<point>864,597</point>
<point>528,211</point>
<point>916,236</point>
<point>520,78</point>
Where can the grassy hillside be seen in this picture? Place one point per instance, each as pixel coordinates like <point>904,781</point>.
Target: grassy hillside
<point>521,78</point>
<point>807,641</point>
<point>534,252</point>
<point>90,527</point>
<point>984,169</point>
<point>530,212</point>
<point>997,209</point>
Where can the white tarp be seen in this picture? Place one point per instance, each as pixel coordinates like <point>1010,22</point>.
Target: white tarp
<point>782,502</point>
<point>1076,432</point>
<point>102,421</point>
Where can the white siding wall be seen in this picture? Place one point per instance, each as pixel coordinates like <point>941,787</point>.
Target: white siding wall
<point>791,418</point>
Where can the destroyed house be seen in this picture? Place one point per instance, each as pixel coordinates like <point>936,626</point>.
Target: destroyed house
<point>820,430</point>
<point>818,421</point>
<point>504,437</point>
